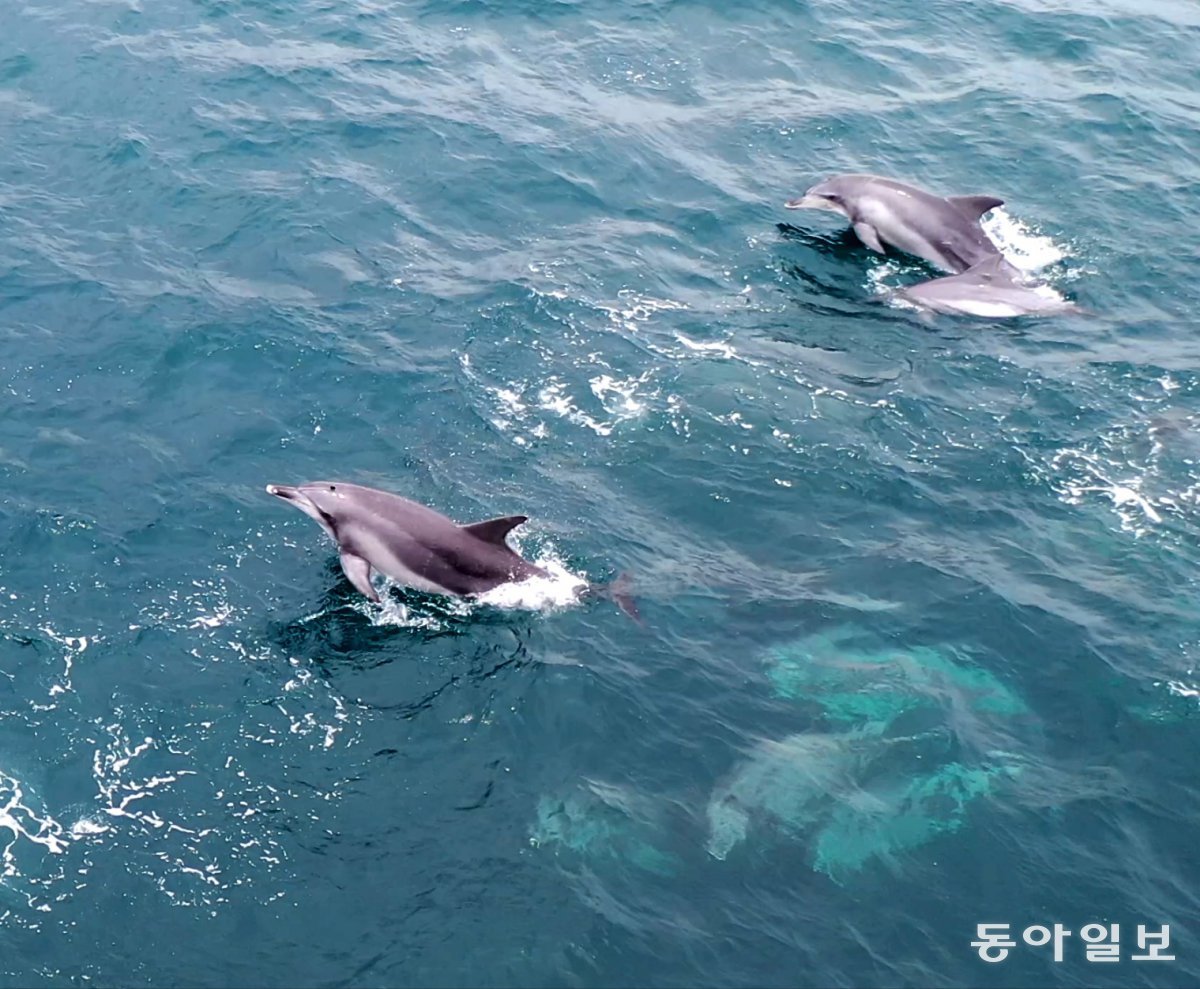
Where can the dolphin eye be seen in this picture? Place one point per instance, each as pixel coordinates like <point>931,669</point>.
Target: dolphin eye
<point>833,197</point>
<point>333,487</point>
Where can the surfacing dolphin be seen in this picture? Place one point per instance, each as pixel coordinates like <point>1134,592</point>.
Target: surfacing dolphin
<point>943,231</point>
<point>415,545</point>
<point>992,288</point>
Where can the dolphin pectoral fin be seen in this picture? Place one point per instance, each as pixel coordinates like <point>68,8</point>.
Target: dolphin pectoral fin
<point>494,530</point>
<point>869,236</point>
<point>358,571</point>
<point>975,206</point>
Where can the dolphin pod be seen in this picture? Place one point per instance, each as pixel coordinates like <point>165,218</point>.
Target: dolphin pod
<point>946,232</point>
<point>376,531</point>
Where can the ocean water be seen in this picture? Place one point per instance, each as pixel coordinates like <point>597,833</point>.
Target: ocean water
<point>919,597</point>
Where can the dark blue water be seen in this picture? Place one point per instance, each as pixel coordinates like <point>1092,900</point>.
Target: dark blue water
<point>919,597</point>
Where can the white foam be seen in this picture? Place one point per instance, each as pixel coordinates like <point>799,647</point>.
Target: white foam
<point>1087,473</point>
<point>87,826</point>
<point>1125,469</point>
<point>390,611</point>
<point>23,823</point>
<point>634,308</point>
<point>715,346</point>
<point>619,395</point>
<point>1180,689</point>
<point>877,277</point>
<point>73,645</point>
<point>559,589</point>
<point>555,397</point>
<point>1026,249</point>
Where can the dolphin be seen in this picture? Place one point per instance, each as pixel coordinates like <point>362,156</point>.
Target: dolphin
<point>943,231</point>
<point>415,545</point>
<point>993,287</point>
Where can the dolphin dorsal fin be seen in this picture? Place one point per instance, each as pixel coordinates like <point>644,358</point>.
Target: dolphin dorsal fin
<point>494,530</point>
<point>975,206</point>
<point>995,266</point>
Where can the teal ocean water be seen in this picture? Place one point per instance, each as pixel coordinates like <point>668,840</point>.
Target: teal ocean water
<point>919,596</point>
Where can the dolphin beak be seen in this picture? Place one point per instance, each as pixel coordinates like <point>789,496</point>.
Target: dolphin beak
<point>807,201</point>
<point>281,491</point>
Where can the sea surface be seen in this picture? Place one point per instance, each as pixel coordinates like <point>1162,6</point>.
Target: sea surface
<point>920,616</point>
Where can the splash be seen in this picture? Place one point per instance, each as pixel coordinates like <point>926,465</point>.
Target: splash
<point>1021,245</point>
<point>878,284</point>
<point>617,396</point>
<point>393,612</point>
<point>560,588</point>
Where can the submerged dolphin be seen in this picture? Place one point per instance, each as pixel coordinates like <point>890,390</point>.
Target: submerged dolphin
<point>943,231</point>
<point>993,288</point>
<point>415,545</point>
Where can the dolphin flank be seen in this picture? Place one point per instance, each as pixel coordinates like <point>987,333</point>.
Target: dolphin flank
<point>415,545</point>
<point>943,231</point>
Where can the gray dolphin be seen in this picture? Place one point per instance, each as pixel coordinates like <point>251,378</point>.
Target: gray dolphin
<point>943,231</point>
<point>415,545</point>
<point>992,288</point>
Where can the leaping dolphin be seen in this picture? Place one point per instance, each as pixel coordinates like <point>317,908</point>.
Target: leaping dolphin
<point>943,231</point>
<point>992,288</point>
<point>415,545</point>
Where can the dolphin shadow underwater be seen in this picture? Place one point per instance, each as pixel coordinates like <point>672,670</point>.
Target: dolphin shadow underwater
<point>418,547</point>
<point>944,231</point>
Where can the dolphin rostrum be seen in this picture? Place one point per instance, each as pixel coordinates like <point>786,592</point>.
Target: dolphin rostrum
<point>943,231</point>
<point>415,545</point>
<point>993,287</point>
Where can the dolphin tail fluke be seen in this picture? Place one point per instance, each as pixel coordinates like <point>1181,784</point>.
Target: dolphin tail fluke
<point>619,591</point>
